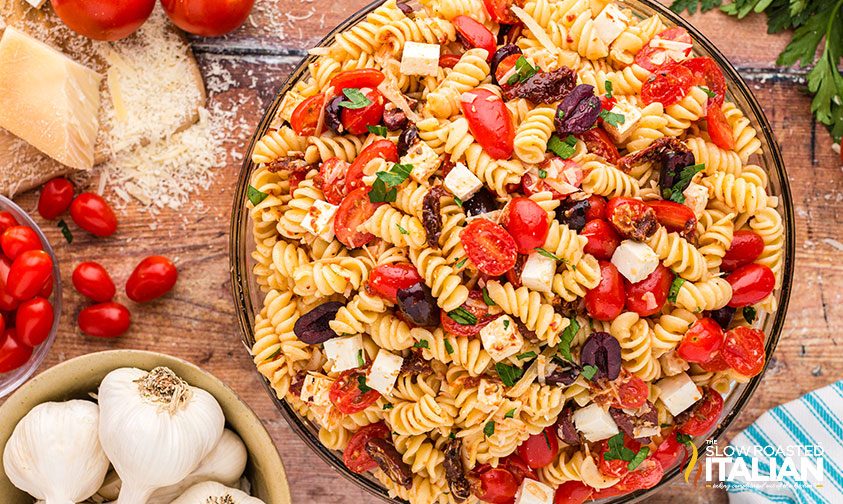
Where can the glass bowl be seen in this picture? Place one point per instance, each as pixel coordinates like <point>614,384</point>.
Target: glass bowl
<point>13,379</point>
<point>248,296</point>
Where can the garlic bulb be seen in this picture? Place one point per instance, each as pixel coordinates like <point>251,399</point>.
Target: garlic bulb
<point>155,429</point>
<point>54,453</point>
<point>211,492</point>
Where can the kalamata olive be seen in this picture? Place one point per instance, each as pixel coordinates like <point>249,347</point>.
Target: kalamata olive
<point>544,87</point>
<point>723,316</point>
<point>672,166</point>
<point>602,351</point>
<point>419,305</point>
<point>312,327</point>
<point>406,8</point>
<point>500,54</point>
<point>407,139</point>
<point>572,213</point>
<point>562,375</point>
<point>578,111</point>
<point>394,118</point>
<point>332,115</point>
<point>565,429</point>
<point>640,426</point>
<point>482,202</point>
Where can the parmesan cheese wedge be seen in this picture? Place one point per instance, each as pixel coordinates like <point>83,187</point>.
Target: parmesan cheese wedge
<point>48,100</point>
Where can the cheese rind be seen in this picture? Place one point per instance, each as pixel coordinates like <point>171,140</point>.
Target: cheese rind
<point>420,59</point>
<point>48,99</point>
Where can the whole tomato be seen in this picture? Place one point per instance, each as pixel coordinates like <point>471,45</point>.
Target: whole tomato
<point>526,221</point>
<point>33,321</point>
<point>13,354</point>
<point>28,273</point>
<point>55,199</point>
<point>649,295</point>
<point>209,18</point>
<point>7,220</point>
<point>750,284</point>
<point>602,239</point>
<point>103,19</point>
<point>605,302</point>
<point>746,246</point>
<point>105,320</point>
<point>93,214</point>
<point>357,120</point>
<point>18,239</point>
<point>93,281</point>
<point>152,278</point>
<point>702,341</point>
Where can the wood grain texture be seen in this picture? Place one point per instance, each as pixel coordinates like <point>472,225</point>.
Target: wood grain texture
<point>197,321</point>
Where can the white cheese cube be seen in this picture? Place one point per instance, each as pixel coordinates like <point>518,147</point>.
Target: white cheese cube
<point>420,59</point>
<point>595,423</point>
<point>635,260</point>
<point>36,3</point>
<point>610,23</point>
<point>346,352</point>
<point>534,492</point>
<point>538,272</point>
<point>501,338</point>
<point>678,393</point>
<point>489,394</point>
<point>319,220</point>
<point>631,115</point>
<point>315,389</point>
<point>696,198</point>
<point>424,159</point>
<point>462,182</point>
<point>384,372</point>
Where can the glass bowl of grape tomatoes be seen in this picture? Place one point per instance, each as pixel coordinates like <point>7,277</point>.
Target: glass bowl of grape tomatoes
<point>30,296</point>
<point>549,244</point>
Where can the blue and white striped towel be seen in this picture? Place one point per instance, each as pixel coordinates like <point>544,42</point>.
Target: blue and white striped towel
<point>813,420</point>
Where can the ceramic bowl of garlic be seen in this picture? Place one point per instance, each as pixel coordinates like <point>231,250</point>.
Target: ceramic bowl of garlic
<point>136,427</point>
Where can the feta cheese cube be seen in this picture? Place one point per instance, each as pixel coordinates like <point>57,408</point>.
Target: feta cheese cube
<point>36,3</point>
<point>635,260</point>
<point>678,393</point>
<point>631,115</point>
<point>315,389</point>
<point>462,182</point>
<point>696,198</point>
<point>420,59</point>
<point>501,338</point>
<point>610,23</point>
<point>538,272</point>
<point>595,423</point>
<point>534,492</point>
<point>346,352</point>
<point>489,394</point>
<point>319,220</point>
<point>384,372</point>
<point>424,159</point>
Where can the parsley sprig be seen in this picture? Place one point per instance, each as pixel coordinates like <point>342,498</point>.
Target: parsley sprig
<point>385,187</point>
<point>356,99</point>
<point>562,148</point>
<point>523,71</point>
<point>675,193</point>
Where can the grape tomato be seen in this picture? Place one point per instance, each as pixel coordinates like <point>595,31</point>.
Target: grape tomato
<point>648,296</point>
<point>28,273</point>
<point>13,353</point>
<point>606,301</point>
<point>527,223</point>
<point>93,214</point>
<point>33,321</point>
<point>18,239</point>
<point>305,117</point>
<point>354,209</point>
<point>489,121</point>
<point>357,121</point>
<point>152,278</point>
<point>387,279</point>
<point>602,239</point>
<point>750,283</point>
<point>474,34</point>
<point>56,197</point>
<point>702,341</point>
<point>104,320</point>
<point>743,350</point>
<point>746,246</point>
<point>667,85</point>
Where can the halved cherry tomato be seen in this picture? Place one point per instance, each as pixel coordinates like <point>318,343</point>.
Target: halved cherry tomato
<point>474,34</point>
<point>385,149</point>
<point>709,74</point>
<point>628,215</point>
<point>596,208</point>
<point>600,143</point>
<point>648,296</point>
<point>715,364</point>
<point>504,67</point>
<point>607,103</point>
<point>18,239</point>
<point>616,468</point>
<point>153,277</point>
<point>527,223</point>
<point>572,492</point>
<point>55,199</point>
<point>104,320</point>
<point>387,279</point>
<point>750,284</point>
<point>496,486</point>
<point>703,415</point>
<point>449,60</point>
<point>355,456</point>
<point>359,78</point>
<point>605,302</point>
<point>93,281</point>
<point>489,247</point>
<point>474,305</point>
<point>345,393</point>
<point>646,475</point>
<point>602,239</point>
<point>667,85</point>
<point>743,350</point>
<point>499,11</point>
<point>516,465</point>
<point>331,179</point>
<point>674,216</point>
<point>7,220</point>
<point>632,392</point>
<point>353,211</point>
<point>746,247</point>
<point>540,449</point>
<point>13,353</point>
<point>652,56</point>
<point>489,121</point>
<point>28,274</point>
<point>93,214</point>
<point>702,341</point>
<point>670,451</point>
<point>719,129</point>
<point>33,321</point>
<point>306,115</point>
<point>357,121</point>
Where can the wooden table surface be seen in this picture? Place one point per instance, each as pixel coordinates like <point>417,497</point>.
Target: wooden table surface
<point>243,72</point>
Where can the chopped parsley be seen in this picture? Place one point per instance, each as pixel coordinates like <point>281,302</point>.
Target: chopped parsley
<point>749,314</point>
<point>549,255</point>
<point>356,99</point>
<point>675,193</point>
<point>458,201</point>
<point>388,406</point>
<point>509,374</point>
<point>360,361</point>
<point>378,130</point>
<point>506,324</point>
<point>526,355</point>
<point>402,230</point>
<point>361,384</point>
<point>542,173</point>
<point>255,196</point>
<point>274,355</point>
<point>523,71</point>
<point>510,413</point>
<point>684,438</point>
<point>448,347</point>
<point>617,451</point>
<point>608,85</point>
<point>567,337</point>
<point>710,93</point>
<point>461,263</point>
<point>489,429</point>
<point>638,458</point>
<point>385,187</point>
<point>462,316</point>
<point>562,148</point>
<point>421,344</point>
<point>612,118</point>
<point>486,298</point>
<point>65,231</point>
<point>674,288</point>
<point>588,371</point>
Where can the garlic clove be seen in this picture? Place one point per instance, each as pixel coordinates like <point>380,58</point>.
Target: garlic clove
<point>210,492</point>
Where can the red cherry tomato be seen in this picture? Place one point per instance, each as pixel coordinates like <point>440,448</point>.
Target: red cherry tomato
<point>47,289</point>
<point>602,239</point>
<point>449,60</point>
<point>667,85</point>
<point>103,19</point>
<point>28,274</point>
<point>615,468</point>
<point>306,115</point>
<point>743,350</point>
<point>750,284</point>
<point>387,279</point>
<point>573,492</point>
<point>18,239</point>
<point>719,129</point>
<point>746,247</point>
<point>474,34</point>
<point>596,208</point>
<point>670,451</point>
<point>359,78</point>
<point>499,11</point>
<point>490,122</point>
<point>599,142</point>
<point>489,247</point>
<point>353,211</point>
<point>93,214</point>
<point>716,363</point>
<point>646,475</point>
<point>104,320</point>
<point>709,74</point>
<point>152,278</point>
<point>497,486</point>
<point>702,341</point>
<point>516,465</point>
<point>92,281</point>
<point>652,56</point>
<point>355,456</point>
<point>7,302</point>
<point>605,302</point>
<point>33,321</point>
<point>676,217</point>
<point>208,18</point>
<point>13,354</point>
<point>357,121</point>
<point>477,307</point>
<point>504,67</point>
<point>384,149</point>
<point>703,415</point>
<point>7,220</point>
<point>648,296</point>
<point>345,393</point>
<point>55,199</point>
<point>540,449</point>
<point>331,179</point>
<point>626,214</point>
<point>526,221</point>
<point>632,393</point>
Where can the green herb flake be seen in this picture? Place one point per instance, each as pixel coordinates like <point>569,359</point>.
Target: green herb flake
<point>388,406</point>
<point>255,196</point>
<point>567,337</point>
<point>486,298</point>
<point>402,230</point>
<point>448,347</point>
<point>360,361</point>
<point>461,263</point>
<point>617,450</point>
<point>273,356</point>
<point>489,429</point>
<point>361,384</point>
<point>452,436</point>
<point>65,231</point>
<point>421,344</point>
<point>462,316</point>
<point>684,438</point>
<point>542,173</point>
<point>378,130</point>
<point>509,374</point>
<point>356,99</point>
<point>750,314</point>
<point>526,355</point>
<point>588,371</point>
<point>674,288</point>
<point>638,458</point>
<point>710,93</point>
<point>458,201</point>
<point>612,118</point>
<point>562,148</point>
<point>506,324</point>
<point>510,413</point>
<point>675,193</point>
<point>384,189</point>
<point>608,85</point>
<point>549,255</point>
<point>523,71</point>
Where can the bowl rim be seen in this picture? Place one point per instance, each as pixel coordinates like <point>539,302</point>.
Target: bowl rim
<point>741,88</point>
